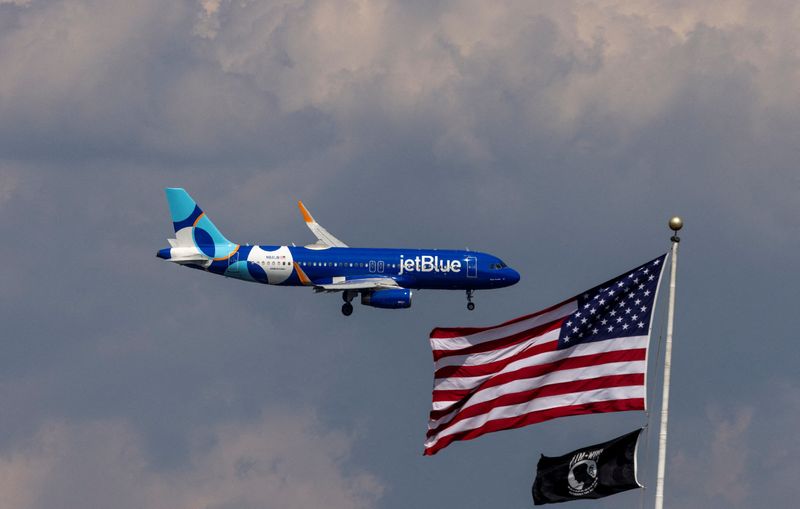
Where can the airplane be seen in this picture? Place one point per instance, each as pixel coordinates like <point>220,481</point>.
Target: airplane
<point>384,278</point>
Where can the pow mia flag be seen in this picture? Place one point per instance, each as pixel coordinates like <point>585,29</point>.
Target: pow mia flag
<point>591,472</point>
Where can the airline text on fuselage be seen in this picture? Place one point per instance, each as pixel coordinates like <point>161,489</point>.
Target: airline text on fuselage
<point>427,263</point>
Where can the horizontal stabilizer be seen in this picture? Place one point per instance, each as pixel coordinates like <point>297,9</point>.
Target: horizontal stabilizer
<point>183,254</point>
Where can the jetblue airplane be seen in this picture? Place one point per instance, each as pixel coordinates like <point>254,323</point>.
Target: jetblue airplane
<point>383,277</point>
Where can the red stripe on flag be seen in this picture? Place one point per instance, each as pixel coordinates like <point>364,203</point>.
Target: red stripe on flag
<point>494,367</point>
<point>636,354</point>
<point>619,405</point>
<point>503,342</point>
<point>576,386</point>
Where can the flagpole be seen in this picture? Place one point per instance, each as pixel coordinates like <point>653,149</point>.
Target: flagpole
<point>675,224</point>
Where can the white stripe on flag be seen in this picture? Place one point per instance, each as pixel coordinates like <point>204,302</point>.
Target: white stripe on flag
<point>457,343</point>
<point>577,398</point>
<point>597,347</point>
<point>527,384</point>
<point>477,359</point>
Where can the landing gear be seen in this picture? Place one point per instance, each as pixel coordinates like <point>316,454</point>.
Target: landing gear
<point>347,296</point>
<point>470,304</point>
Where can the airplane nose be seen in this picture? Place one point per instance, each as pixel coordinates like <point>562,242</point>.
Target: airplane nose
<point>513,276</point>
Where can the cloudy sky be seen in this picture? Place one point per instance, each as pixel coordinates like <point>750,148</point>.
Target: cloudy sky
<point>559,136</point>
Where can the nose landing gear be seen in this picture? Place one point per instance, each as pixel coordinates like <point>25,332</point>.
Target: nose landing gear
<point>470,304</point>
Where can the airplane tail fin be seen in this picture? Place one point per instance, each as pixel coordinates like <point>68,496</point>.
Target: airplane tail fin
<point>193,228</point>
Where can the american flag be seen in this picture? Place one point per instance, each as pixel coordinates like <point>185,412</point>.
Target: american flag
<point>585,355</point>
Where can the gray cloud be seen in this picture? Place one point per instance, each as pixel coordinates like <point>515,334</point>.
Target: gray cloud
<point>273,462</point>
<point>722,464</point>
<point>741,455</point>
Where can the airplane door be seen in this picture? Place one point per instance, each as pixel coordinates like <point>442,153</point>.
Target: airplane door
<point>472,266</point>
<point>372,265</point>
<point>380,266</point>
<point>232,267</point>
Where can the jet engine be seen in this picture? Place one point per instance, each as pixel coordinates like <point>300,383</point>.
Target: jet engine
<point>387,299</point>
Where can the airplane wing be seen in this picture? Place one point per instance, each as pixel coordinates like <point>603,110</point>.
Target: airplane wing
<point>372,283</point>
<point>325,238</point>
<point>340,284</point>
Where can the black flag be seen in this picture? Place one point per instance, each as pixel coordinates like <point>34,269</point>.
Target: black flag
<point>591,472</point>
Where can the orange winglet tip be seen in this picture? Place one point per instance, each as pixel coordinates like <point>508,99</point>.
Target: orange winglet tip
<point>306,216</point>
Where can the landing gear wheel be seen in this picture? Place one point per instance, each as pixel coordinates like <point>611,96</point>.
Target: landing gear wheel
<point>347,309</point>
<point>470,304</point>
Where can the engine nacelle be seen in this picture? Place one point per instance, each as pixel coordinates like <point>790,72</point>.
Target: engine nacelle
<point>387,299</point>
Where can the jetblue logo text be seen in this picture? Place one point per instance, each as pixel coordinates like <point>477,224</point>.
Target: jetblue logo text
<point>428,264</point>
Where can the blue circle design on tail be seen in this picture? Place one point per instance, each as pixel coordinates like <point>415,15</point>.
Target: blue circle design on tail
<point>204,242</point>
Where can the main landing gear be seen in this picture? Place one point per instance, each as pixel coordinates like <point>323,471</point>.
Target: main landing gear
<point>347,307</point>
<point>470,304</point>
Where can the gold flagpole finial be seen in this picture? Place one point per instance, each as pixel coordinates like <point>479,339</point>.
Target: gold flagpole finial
<point>675,224</point>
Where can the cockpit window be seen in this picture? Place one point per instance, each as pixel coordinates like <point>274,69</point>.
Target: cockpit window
<point>497,266</point>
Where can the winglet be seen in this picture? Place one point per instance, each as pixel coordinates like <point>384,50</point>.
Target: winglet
<point>306,215</point>
<point>325,239</point>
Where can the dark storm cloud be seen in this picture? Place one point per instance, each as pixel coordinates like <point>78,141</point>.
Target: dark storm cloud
<point>559,137</point>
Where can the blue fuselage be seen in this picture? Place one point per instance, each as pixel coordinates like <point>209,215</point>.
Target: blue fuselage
<point>409,268</point>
